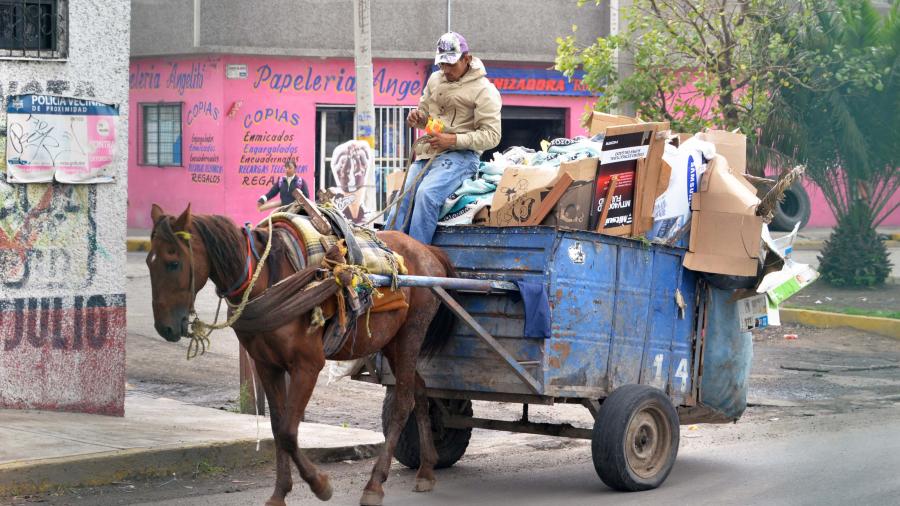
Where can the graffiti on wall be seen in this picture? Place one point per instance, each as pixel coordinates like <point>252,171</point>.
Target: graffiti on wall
<point>67,139</point>
<point>73,345</point>
<point>61,323</point>
<point>48,236</point>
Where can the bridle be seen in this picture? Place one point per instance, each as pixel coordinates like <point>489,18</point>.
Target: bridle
<point>198,330</point>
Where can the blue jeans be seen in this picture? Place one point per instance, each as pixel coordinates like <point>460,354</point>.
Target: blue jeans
<point>446,173</point>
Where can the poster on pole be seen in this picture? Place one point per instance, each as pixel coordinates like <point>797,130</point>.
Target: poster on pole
<point>69,140</point>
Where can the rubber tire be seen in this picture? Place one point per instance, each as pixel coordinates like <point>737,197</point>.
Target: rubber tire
<point>795,207</point>
<point>451,444</point>
<point>608,442</point>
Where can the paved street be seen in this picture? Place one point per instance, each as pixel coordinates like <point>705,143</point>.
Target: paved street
<point>808,437</point>
<point>823,460</point>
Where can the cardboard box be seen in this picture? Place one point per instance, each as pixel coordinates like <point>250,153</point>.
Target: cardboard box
<point>725,231</point>
<point>753,312</point>
<point>731,145</point>
<point>779,286</point>
<point>573,210</point>
<point>482,217</point>
<point>600,122</point>
<point>634,154</point>
<point>522,189</point>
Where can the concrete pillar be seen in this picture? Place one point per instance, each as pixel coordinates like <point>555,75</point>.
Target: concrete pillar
<point>62,246</point>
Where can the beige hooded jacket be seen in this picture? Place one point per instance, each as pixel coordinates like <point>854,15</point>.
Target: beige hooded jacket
<point>469,108</point>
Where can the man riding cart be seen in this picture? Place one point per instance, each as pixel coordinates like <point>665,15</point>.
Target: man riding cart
<point>460,109</point>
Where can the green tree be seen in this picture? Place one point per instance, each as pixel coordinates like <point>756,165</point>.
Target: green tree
<point>696,64</point>
<point>841,121</point>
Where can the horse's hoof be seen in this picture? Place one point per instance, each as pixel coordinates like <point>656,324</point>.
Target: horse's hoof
<point>275,502</point>
<point>423,485</point>
<point>370,498</point>
<point>326,490</point>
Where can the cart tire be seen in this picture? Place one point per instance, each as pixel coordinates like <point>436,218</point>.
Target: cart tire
<point>635,438</point>
<point>450,444</point>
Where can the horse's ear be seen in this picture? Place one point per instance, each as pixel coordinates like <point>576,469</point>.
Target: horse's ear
<point>156,213</point>
<point>184,221</point>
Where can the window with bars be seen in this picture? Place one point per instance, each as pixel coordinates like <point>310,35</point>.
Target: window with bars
<point>161,134</point>
<point>393,140</point>
<point>33,28</point>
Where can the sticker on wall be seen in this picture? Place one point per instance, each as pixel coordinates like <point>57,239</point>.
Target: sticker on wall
<point>235,71</point>
<point>67,139</point>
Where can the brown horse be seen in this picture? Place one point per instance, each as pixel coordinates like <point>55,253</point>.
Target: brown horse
<point>213,248</point>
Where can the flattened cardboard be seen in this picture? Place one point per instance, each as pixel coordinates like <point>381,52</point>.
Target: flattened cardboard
<point>723,243</point>
<point>641,186</point>
<point>624,148</point>
<point>574,208</point>
<point>482,217</point>
<point>731,145</point>
<point>725,231</point>
<point>601,121</point>
<point>724,189</point>
<point>522,189</point>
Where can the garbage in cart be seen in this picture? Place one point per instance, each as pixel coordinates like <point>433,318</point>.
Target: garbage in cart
<point>638,180</point>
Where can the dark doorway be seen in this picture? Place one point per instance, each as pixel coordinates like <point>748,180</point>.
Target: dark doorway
<point>528,126</point>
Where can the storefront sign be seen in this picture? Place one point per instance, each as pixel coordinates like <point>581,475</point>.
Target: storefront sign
<point>536,82</point>
<point>66,139</point>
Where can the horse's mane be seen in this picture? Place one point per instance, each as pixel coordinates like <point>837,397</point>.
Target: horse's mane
<point>221,238</point>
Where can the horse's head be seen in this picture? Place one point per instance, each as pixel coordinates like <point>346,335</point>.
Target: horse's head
<point>173,259</point>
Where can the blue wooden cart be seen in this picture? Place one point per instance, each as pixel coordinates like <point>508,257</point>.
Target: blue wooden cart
<point>629,328</point>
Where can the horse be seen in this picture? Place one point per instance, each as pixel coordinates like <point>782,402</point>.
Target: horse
<point>189,250</point>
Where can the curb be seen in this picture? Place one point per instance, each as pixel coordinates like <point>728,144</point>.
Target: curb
<point>98,469</point>
<point>893,242</point>
<point>137,244</point>
<point>883,326</point>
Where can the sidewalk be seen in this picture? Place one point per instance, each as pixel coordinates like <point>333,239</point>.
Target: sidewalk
<point>45,450</point>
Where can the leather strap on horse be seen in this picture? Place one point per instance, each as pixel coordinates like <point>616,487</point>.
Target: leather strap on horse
<point>344,230</point>
<point>284,301</point>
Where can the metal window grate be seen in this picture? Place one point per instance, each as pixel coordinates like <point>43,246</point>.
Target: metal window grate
<point>34,29</point>
<point>393,142</point>
<point>162,134</point>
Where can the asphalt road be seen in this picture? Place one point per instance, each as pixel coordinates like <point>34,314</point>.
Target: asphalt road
<point>807,438</point>
<point>841,459</point>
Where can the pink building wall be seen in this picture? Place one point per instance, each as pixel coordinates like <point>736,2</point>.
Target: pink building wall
<point>230,126</point>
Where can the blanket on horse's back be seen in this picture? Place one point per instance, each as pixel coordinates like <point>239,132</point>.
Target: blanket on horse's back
<point>377,257</point>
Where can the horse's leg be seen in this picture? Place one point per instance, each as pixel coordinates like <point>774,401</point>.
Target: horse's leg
<point>402,359</point>
<point>303,380</point>
<point>427,453</point>
<point>272,380</point>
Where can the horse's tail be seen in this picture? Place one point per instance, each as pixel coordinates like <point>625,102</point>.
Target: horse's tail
<point>438,334</point>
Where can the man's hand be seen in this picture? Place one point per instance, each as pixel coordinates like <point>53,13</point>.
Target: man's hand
<point>442,141</point>
<point>416,119</point>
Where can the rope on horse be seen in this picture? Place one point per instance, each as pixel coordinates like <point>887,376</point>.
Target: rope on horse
<point>198,330</point>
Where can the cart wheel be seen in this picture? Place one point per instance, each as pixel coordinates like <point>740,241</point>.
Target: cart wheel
<point>450,444</point>
<point>635,438</point>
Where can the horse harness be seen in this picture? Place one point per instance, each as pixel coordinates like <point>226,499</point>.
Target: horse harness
<point>303,291</point>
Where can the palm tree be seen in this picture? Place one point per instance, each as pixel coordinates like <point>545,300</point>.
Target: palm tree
<point>841,121</point>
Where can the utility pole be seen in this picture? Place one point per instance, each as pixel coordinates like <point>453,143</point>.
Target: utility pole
<point>365,105</point>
